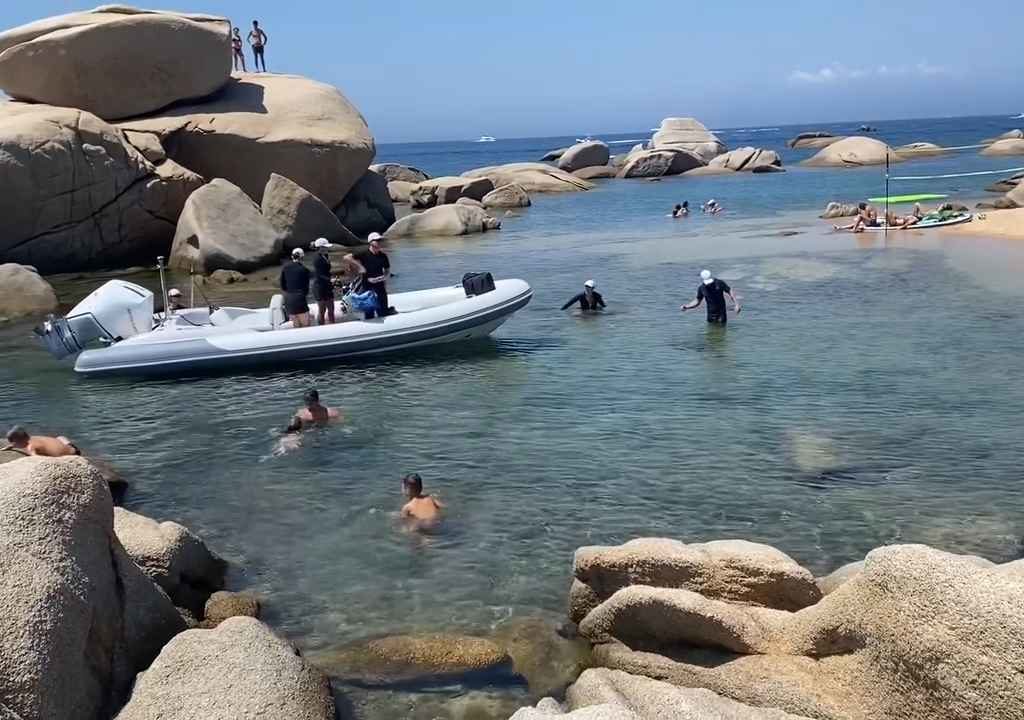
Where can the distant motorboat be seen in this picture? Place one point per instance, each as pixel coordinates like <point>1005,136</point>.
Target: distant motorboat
<point>486,138</point>
<point>588,138</point>
<point>1019,116</point>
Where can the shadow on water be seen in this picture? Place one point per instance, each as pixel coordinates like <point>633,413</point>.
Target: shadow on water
<point>857,476</point>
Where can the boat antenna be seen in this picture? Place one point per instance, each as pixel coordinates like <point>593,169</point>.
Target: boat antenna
<point>163,283</point>
<point>192,285</point>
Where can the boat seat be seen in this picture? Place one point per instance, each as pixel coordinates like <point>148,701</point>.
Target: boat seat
<point>222,317</point>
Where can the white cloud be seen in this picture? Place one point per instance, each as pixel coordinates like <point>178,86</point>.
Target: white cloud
<point>835,73</point>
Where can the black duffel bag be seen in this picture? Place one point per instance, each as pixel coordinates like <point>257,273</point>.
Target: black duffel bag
<point>477,283</point>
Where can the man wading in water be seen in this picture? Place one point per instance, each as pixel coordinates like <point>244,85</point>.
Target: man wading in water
<point>590,299</point>
<point>713,291</point>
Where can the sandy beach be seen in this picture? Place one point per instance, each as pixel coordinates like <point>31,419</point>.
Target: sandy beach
<point>1004,224</point>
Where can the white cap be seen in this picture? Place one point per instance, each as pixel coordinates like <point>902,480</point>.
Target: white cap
<point>374,236</point>
<point>705,275</point>
<point>322,243</point>
<point>588,284</point>
<point>174,292</point>
<point>297,253</point>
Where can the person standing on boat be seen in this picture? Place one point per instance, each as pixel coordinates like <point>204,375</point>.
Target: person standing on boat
<point>713,291</point>
<point>295,286</point>
<point>590,299</point>
<point>375,268</point>
<point>323,288</point>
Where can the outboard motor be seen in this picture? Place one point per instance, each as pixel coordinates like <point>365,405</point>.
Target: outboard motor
<point>115,311</point>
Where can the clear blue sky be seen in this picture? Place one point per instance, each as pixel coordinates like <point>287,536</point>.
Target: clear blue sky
<point>451,69</point>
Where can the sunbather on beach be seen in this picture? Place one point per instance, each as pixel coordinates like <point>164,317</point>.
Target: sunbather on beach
<point>19,439</point>
<point>867,216</point>
<point>904,221</point>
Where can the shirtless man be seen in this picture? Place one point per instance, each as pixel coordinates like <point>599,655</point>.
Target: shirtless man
<point>257,41</point>
<point>19,439</point>
<point>312,414</point>
<point>867,216</point>
<point>423,510</point>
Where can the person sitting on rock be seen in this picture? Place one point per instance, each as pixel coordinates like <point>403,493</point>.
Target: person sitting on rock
<point>19,439</point>
<point>313,413</point>
<point>590,299</point>
<point>867,216</point>
<point>681,210</point>
<point>236,49</point>
<point>423,510</point>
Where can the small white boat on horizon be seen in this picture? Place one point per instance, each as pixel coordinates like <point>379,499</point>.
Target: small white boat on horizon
<point>485,138</point>
<point>114,330</point>
<point>1019,116</point>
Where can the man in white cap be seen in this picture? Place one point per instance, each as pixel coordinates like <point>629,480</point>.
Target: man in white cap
<point>590,299</point>
<point>175,301</point>
<point>713,291</point>
<point>375,268</point>
<point>295,286</point>
<point>323,287</point>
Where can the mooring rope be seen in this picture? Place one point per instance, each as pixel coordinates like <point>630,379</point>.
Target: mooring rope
<point>957,175</point>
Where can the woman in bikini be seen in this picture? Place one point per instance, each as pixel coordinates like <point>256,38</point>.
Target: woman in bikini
<point>236,47</point>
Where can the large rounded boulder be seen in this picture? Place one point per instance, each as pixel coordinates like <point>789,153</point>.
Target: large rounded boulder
<point>220,228</point>
<point>855,151</point>
<point>1006,146</point>
<point>506,196</point>
<point>240,669</point>
<point>444,221</point>
<point>447,190</point>
<point>593,153</point>
<point>115,61</point>
<point>532,177</point>
<point>746,159</point>
<point>80,619</point>
<point>77,196</point>
<point>300,216</point>
<point>403,173</point>
<point>368,206</point>
<point>687,134</point>
<point>656,163</point>
<point>260,124</point>
<point>24,292</point>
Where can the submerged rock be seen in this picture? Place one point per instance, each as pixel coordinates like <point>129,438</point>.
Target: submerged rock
<point>241,669</point>
<point>221,228</point>
<point>115,61</point>
<point>172,556</point>
<point>263,123</point>
<point>80,618</point>
<point>444,221</point>
<point>546,660</point>
<point>24,292</point>
<point>415,659</point>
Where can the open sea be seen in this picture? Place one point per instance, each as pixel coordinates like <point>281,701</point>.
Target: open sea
<point>869,393</point>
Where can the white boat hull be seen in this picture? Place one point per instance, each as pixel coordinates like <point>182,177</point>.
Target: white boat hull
<point>241,337</point>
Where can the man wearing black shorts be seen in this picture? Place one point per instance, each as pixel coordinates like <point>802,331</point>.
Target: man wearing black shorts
<point>375,268</point>
<point>295,286</point>
<point>713,291</point>
<point>257,40</point>
<point>323,288</point>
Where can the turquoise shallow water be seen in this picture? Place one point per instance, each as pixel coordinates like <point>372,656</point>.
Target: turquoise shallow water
<point>869,393</point>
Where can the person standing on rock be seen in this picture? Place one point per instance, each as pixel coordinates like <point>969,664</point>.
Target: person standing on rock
<point>295,286</point>
<point>714,292</point>
<point>590,299</point>
<point>375,268</point>
<point>257,41</point>
<point>323,288</point>
<point>236,49</point>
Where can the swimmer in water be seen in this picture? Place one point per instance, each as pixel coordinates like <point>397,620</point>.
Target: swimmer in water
<point>590,299</point>
<point>681,210</point>
<point>18,439</point>
<point>420,509</point>
<point>711,207</point>
<point>314,413</point>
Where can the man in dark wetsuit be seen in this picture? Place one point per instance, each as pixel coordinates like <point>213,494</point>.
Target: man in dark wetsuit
<point>258,41</point>
<point>713,291</point>
<point>295,286</point>
<point>375,268</point>
<point>589,300</point>
<point>323,288</point>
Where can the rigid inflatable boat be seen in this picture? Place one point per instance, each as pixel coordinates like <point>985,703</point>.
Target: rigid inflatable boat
<point>114,330</point>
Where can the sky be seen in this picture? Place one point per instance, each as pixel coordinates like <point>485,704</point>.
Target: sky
<point>454,69</point>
